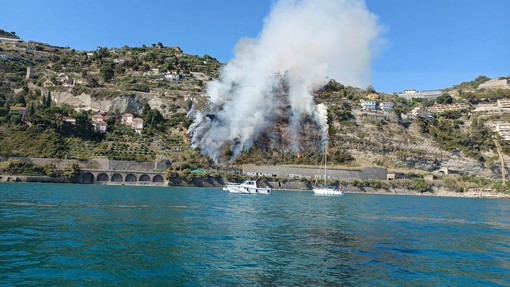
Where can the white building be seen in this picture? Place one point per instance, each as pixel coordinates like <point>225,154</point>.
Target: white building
<point>137,124</point>
<point>386,106</point>
<point>368,105</point>
<point>127,118</point>
<point>413,94</point>
<point>100,126</point>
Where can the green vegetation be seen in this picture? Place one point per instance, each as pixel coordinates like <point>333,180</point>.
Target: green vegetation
<point>21,168</point>
<point>160,84</point>
<point>448,132</point>
<point>17,167</point>
<point>473,84</point>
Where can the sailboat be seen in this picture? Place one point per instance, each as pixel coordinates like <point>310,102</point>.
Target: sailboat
<point>325,189</point>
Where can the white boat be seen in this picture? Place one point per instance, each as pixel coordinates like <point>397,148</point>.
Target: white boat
<point>325,189</point>
<point>225,188</point>
<point>248,187</point>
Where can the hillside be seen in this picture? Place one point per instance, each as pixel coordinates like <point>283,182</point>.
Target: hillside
<point>161,84</point>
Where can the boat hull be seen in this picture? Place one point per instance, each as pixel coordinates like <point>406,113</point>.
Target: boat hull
<point>327,191</point>
<point>239,189</point>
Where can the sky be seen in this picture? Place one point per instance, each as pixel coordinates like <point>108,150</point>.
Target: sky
<point>424,45</point>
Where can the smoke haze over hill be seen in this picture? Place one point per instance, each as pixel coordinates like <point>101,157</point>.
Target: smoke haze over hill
<point>272,77</point>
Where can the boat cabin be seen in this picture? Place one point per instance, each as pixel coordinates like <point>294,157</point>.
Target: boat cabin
<point>250,182</point>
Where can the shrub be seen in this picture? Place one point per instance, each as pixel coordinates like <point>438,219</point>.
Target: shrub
<point>17,167</point>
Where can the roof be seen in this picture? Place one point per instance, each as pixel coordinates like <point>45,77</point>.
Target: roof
<point>137,120</point>
<point>127,115</point>
<point>18,108</point>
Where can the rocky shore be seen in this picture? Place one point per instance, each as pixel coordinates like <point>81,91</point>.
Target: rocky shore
<point>28,178</point>
<point>433,192</point>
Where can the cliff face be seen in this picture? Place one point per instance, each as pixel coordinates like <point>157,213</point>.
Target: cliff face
<point>86,102</point>
<point>377,139</point>
<point>132,102</point>
<point>454,163</point>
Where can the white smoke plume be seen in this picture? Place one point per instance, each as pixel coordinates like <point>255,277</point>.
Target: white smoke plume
<point>303,43</point>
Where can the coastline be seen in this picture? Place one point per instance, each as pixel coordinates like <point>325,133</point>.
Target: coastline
<point>207,183</point>
<point>434,193</point>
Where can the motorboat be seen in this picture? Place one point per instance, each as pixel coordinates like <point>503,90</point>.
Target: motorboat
<point>225,188</point>
<point>248,187</point>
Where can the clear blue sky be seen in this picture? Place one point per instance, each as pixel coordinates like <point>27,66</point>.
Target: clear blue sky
<point>427,44</point>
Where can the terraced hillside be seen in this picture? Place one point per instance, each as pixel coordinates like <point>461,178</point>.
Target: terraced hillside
<point>161,84</point>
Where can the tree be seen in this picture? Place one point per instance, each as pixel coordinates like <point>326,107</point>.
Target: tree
<point>83,128</point>
<point>444,99</point>
<point>52,171</point>
<point>30,110</point>
<point>46,101</point>
<point>480,80</point>
<point>420,185</point>
<point>20,100</point>
<point>16,119</point>
<point>146,109</point>
<point>101,53</point>
<point>73,171</point>
<point>106,72</point>
<point>333,86</point>
<point>151,117</point>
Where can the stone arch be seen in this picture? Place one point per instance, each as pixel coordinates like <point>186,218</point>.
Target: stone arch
<point>102,177</point>
<point>87,177</point>
<point>144,177</point>
<point>130,178</point>
<point>117,177</point>
<point>157,178</point>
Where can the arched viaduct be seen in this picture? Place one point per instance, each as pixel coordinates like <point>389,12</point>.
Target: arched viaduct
<point>124,177</point>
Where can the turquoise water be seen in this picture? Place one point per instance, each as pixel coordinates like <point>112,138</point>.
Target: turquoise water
<point>86,235</point>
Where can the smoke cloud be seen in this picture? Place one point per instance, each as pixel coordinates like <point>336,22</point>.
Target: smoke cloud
<point>271,79</point>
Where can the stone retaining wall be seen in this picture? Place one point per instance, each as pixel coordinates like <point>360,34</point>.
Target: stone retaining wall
<point>313,173</point>
<point>94,164</point>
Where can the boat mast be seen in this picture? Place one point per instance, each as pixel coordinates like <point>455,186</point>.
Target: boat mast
<point>325,166</point>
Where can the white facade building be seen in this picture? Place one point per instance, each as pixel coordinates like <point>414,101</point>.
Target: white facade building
<point>137,124</point>
<point>413,94</point>
<point>368,105</point>
<point>127,118</point>
<point>386,106</point>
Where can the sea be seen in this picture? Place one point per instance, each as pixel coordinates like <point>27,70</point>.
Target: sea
<point>93,235</point>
